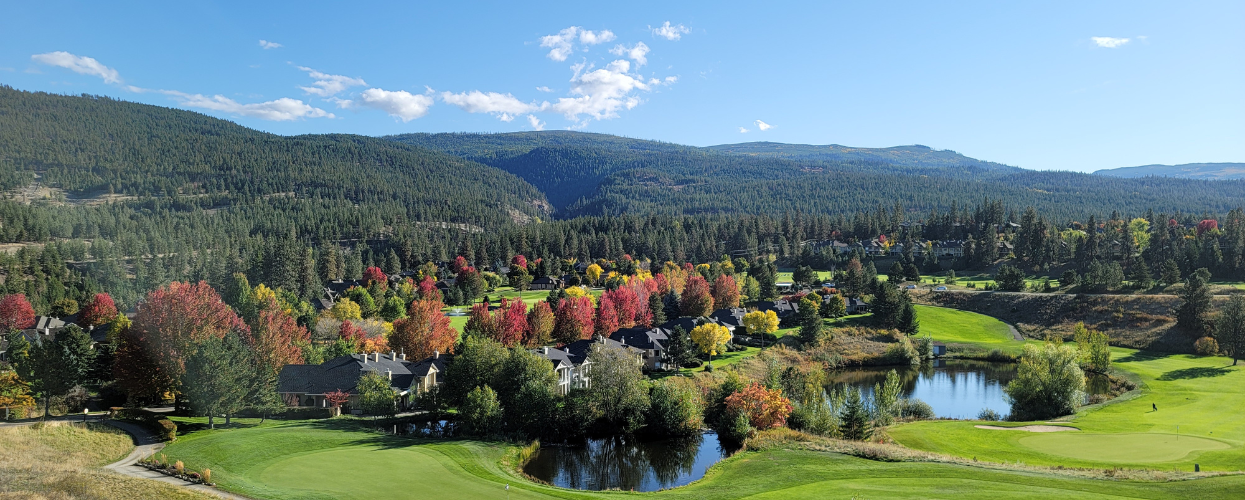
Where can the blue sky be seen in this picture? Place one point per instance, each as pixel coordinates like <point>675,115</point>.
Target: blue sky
<point>1047,85</point>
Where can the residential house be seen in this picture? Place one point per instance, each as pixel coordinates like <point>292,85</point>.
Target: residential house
<point>949,248</point>
<point>652,341</point>
<point>306,385</point>
<point>570,362</point>
<point>856,306</point>
<point>547,283</point>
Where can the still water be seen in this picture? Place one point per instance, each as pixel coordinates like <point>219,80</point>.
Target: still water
<point>627,463</point>
<point>953,388</point>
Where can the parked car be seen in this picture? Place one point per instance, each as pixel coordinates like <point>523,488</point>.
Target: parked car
<point>940,289</point>
<point>910,287</point>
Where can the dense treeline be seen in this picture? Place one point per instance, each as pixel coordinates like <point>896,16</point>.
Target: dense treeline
<point>90,146</point>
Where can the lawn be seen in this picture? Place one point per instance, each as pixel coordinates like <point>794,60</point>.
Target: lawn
<point>1199,401</point>
<point>339,459</point>
<point>953,326</point>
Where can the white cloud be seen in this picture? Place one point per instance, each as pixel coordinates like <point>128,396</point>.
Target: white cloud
<point>762,126</point>
<point>543,88</point>
<point>327,85</point>
<point>399,104</point>
<point>602,92</point>
<point>269,45</point>
<point>743,130</point>
<point>78,64</point>
<point>638,53</point>
<point>283,109</point>
<point>504,106</point>
<point>669,32</point>
<point>536,123</point>
<point>562,44</point>
<point>1108,42</point>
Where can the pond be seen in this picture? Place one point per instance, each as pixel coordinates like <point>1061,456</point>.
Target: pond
<point>954,388</point>
<point>627,464</point>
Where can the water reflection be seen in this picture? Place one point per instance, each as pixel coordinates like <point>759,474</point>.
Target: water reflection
<point>953,388</point>
<point>627,463</point>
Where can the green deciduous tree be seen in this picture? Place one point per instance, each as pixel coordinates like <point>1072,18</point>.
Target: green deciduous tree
<point>481,413</point>
<point>674,408</point>
<point>619,395</point>
<point>376,396</point>
<point>218,377</point>
<point>1230,328</point>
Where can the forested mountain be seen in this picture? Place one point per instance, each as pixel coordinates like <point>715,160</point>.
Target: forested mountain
<point>909,156</point>
<point>1209,171</point>
<point>593,174</point>
<point>90,146</point>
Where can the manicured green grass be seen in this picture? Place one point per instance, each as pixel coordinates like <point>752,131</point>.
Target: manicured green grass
<point>953,326</point>
<point>1203,396</point>
<point>337,459</point>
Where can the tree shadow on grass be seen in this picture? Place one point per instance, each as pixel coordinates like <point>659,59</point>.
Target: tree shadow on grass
<point>1192,373</point>
<point>1143,356</point>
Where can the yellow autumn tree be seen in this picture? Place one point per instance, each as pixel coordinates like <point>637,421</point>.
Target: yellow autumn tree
<point>15,395</point>
<point>711,338</point>
<point>345,309</point>
<point>758,322</point>
<point>594,273</point>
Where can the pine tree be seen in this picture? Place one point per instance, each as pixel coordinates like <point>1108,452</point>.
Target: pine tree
<point>856,424</point>
<point>908,322</point>
<point>657,309</point>
<point>218,377</point>
<point>1191,316</point>
<point>679,347</point>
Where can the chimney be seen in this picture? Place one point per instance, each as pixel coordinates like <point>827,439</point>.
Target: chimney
<point>393,355</point>
<point>544,350</point>
<point>376,357</point>
<point>389,373</point>
<point>402,356</point>
<point>436,354</point>
<point>365,359</point>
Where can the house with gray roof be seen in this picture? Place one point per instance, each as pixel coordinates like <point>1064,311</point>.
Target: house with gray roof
<point>306,385</point>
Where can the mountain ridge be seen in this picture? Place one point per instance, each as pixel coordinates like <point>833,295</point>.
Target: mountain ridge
<point>1206,171</point>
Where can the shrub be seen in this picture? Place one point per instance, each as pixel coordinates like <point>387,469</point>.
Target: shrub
<point>207,476</point>
<point>168,429</point>
<point>179,467</point>
<point>989,415</point>
<point>674,408</point>
<point>1048,384</point>
<point>901,353</point>
<point>765,408</point>
<point>737,430</point>
<point>915,409</point>
<point>481,413</point>
<point>1206,346</point>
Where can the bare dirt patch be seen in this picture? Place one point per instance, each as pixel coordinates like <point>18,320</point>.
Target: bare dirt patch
<point>1029,428</point>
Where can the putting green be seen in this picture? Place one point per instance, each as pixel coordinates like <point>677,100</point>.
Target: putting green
<point>931,487</point>
<point>376,472</point>
<point>1124,448</point>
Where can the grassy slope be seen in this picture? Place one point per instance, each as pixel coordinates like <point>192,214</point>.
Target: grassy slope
<point>1204,396</point>
<point>337,460</point>
<point>60,461</point>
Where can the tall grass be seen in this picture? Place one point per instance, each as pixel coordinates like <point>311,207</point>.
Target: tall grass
<point>62,460</point>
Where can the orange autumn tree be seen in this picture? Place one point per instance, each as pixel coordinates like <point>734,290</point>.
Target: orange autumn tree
<point>765,408</point>
<point>275,336</point>
<point>425,330</point>
<point>725,292</point>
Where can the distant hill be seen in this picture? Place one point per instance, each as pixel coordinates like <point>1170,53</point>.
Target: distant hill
<point>1208,171</point>
<point>914,156</point>
<point>89,146</point>
<point>596,174</point>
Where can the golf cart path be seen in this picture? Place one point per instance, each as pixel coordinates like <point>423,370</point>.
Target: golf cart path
<point>1015,333</point>
<point>145,445</point>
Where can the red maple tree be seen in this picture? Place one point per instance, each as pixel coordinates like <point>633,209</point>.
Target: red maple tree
<point>511,322</point>
<point>539,325</point>
<point>519,261</point>
<point>16,313</point>
<point>374,276</point>
<point>607,317</point>
<point>427,289</point>
<point>98,311</point>
<point>573,319</point>
<point>725,292</point>
<point>765,408</point>
<point>696,301</point>
<point>168,324</point>
<point>337,398</point>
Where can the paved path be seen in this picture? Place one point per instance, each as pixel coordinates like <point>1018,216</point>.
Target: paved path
<point>1015,333</point>
<point>145,445</point>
